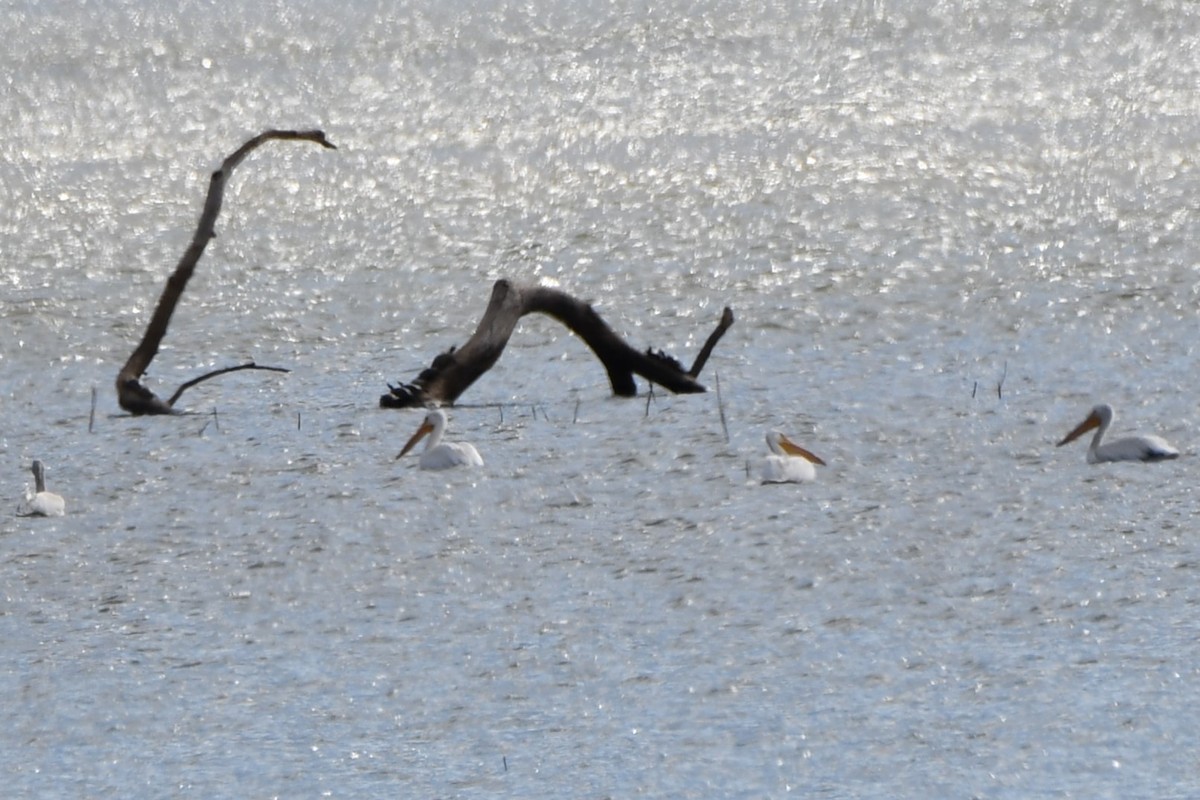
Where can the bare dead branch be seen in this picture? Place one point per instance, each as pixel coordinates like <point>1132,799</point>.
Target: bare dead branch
<point>713,338</point>
<point>131,394</point>
<point>189,384</point>
<point>453,371</point>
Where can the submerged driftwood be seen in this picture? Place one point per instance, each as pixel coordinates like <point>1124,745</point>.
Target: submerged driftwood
<point>131,394</point>
<point>453,371</point>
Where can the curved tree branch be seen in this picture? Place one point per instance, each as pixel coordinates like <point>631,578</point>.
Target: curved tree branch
<point>131,394</point>
<point>453,371</point>
<point>711,342</point>
<point>189,384</point>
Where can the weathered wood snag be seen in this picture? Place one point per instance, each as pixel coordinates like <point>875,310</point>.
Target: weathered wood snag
<point>131,394</point>
<point>453,371</point>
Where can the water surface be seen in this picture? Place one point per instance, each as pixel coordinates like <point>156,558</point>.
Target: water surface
<point>946,231</point>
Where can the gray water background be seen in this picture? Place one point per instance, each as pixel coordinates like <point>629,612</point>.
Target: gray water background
<point>946,229</point>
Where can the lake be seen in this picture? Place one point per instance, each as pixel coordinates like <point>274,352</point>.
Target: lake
<point>946,231</point>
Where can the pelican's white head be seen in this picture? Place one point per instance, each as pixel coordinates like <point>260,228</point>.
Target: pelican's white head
<point>1104,413</point>
<point>1101,416</point>
<point>781,445</point>
<point>39,476</point>
<point>435,423</point>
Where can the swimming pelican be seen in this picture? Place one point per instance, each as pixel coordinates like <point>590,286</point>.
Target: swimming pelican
<point>39,502</point>
<point>788,462</point>
<point>439,454</point>
<point>1133,448</point>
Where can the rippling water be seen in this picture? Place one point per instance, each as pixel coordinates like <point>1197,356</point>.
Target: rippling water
<point>946,229</point>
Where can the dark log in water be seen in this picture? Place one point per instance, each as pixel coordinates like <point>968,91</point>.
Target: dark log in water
<point>453,371</point>
<point>131,394</point>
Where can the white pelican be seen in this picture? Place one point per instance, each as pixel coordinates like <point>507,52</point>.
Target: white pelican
<point>788,462</point>
<point>439,454</point>
<point>1133,448</point>
<point>39,502</point>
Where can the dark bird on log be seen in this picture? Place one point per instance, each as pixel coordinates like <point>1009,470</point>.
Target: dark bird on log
<point>453,371</point>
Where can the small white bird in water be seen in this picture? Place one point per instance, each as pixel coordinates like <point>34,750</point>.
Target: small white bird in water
<point>1133,448</point>
<point>788,462</point>
<point>439,454</point>
<point>39,502</point>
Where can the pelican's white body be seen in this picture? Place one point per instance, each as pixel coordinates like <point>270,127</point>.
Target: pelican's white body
<point>1131,448</point>
<point>439,454</point>
<point>38,501</point>
<point>788,462</point>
